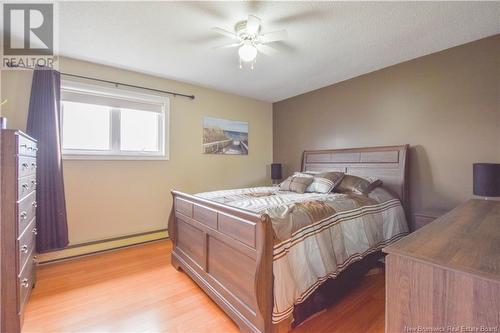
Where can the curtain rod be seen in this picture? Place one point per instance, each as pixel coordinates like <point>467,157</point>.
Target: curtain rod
<point>113,82</point>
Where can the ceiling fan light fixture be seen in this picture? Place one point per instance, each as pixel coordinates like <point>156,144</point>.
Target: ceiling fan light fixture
<point>247,52</point>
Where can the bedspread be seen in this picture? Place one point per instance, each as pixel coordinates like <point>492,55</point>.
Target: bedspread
<point>317,236</point>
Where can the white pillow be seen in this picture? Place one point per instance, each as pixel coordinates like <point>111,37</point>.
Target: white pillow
<point>323,182</point>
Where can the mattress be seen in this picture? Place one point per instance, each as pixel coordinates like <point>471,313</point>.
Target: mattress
<point>316,236</point>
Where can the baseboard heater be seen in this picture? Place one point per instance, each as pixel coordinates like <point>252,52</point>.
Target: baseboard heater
<point>110,244</point>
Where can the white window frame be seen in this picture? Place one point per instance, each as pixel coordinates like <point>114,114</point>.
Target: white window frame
<point>115,153</point>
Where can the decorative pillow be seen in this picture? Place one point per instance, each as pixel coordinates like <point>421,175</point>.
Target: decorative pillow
<point>296,184</point>
<point>323,182</point>
<point>358,184</point>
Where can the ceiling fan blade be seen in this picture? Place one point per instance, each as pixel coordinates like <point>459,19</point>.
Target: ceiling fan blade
<point>226,46</point>
<point>225,33</point>
<point>253,25</point>
<point>266,49</point>
<point>273,36</point>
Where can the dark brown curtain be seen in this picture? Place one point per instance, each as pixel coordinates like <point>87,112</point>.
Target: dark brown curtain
<point>43,125</point>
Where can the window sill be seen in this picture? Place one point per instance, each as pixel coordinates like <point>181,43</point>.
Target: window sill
<point>114,158</point>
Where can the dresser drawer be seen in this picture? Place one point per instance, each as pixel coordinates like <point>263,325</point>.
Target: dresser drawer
<point>26,245</point>
<point>26,211</point>
<point>25,186</point>
<point>26,166</point>
<point>26,146</point>
<point>25,284</point>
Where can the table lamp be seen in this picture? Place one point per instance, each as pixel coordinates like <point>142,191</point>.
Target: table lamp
<point>276,172</point>
<point>486,179</point>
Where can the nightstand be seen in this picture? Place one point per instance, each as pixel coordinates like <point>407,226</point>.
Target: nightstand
<point>424,217</point>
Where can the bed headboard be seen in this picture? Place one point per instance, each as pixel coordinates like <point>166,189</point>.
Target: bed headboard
<point>388,163</point>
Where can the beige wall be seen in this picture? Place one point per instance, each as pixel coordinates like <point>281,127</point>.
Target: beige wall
<point>445,105</point>
<point>114,198</point>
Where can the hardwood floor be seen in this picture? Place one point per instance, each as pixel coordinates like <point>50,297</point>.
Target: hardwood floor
<point>137,290</point>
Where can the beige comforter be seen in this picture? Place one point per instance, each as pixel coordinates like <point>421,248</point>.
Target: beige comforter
<point>317,235</point>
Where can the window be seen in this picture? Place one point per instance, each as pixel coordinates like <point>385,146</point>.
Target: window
<point>100,122</point>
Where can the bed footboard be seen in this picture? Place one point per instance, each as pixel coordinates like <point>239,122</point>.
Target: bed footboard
<point>228,253</point>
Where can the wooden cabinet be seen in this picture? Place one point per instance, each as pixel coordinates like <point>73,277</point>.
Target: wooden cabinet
<point>445,277</point>
<point>18,226</point>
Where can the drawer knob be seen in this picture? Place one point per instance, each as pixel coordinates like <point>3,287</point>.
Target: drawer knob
<point>25,165</point>
<point>25,283</point>
<point>35,149</point>
<point>24,215</point>
<point>34,204</point>
<point>25,186</point>
<point>23,145</point>
<point>30,148</point>
<point>34,231</point>
<point>24,249</point>
<point>33,165</point>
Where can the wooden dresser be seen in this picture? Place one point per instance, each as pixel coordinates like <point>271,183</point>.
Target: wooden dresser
<point>445,277</point>
<point>18,228</point>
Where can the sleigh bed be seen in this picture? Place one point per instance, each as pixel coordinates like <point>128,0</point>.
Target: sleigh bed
<point>253,272</point>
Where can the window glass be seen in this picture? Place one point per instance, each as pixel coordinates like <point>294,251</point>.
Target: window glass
<point>85,126</point>
<point>139,130</point>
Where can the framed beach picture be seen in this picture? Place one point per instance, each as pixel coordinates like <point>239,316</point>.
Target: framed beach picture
<point>225,137</point>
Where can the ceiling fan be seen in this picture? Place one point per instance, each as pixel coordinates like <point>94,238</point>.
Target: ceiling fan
<point>250,40</point>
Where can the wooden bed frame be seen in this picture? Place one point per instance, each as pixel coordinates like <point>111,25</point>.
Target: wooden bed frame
<point>228,252</point>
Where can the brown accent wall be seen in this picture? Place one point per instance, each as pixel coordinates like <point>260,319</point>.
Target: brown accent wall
<point>445,105</point>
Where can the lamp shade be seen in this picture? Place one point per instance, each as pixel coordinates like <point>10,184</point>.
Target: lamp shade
<point>276,171</point>
<point>486,179</point>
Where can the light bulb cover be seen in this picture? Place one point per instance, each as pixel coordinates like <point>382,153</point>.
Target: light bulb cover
<point>247,52</point>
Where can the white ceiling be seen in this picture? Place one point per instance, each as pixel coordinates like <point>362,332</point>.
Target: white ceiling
<point>328,41</point>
